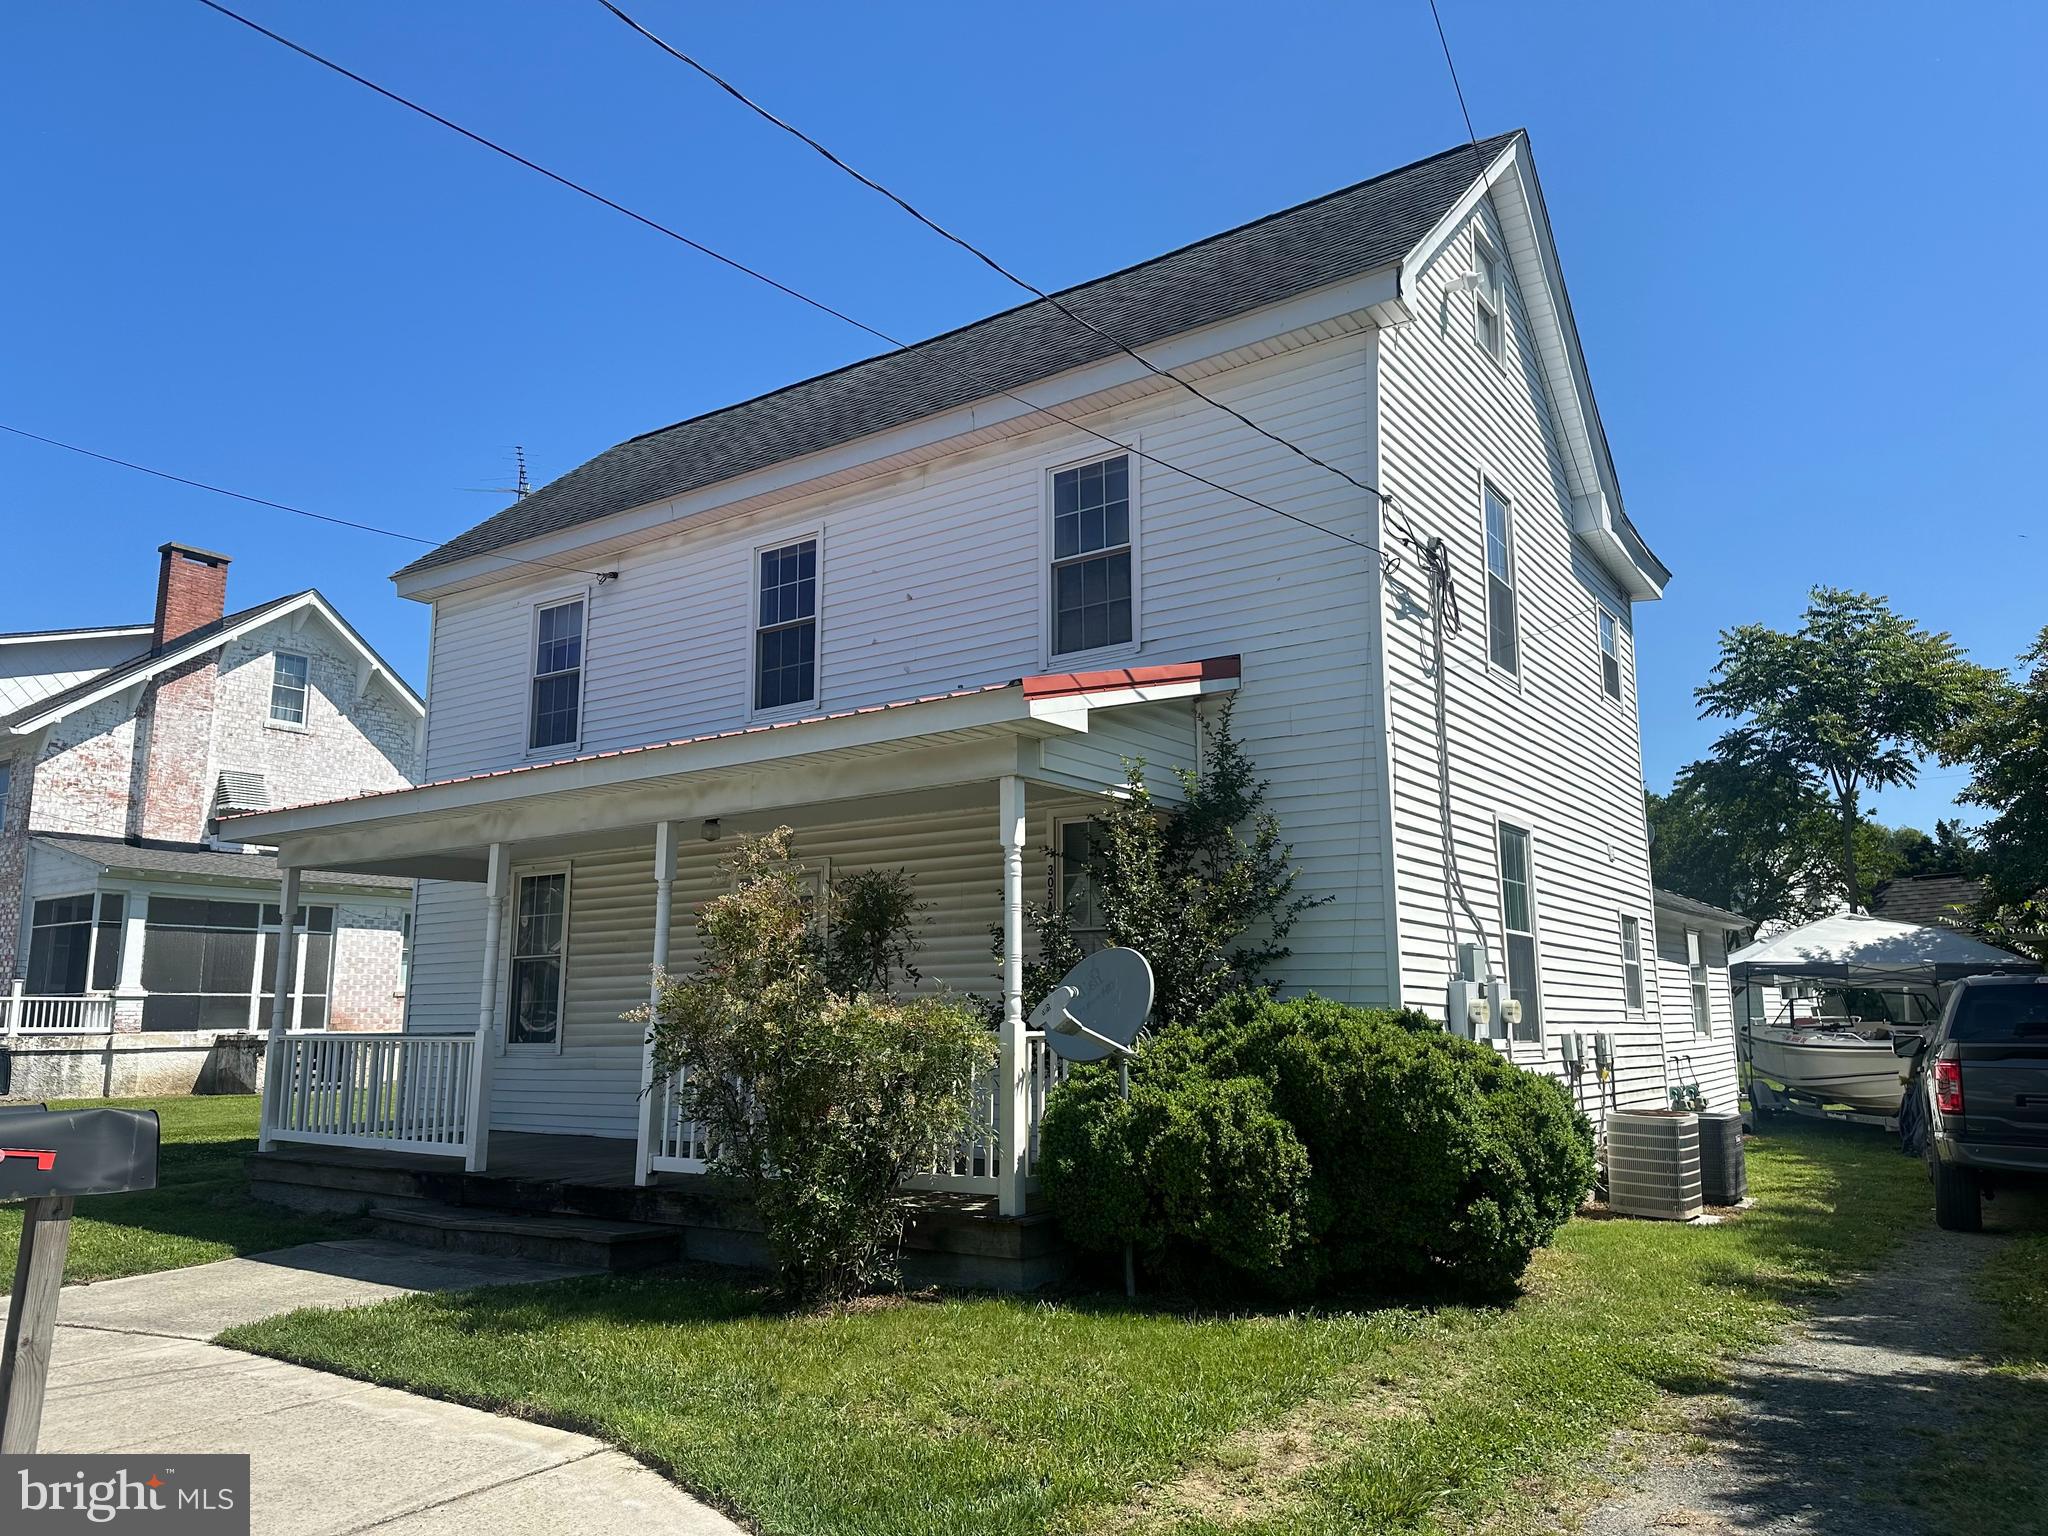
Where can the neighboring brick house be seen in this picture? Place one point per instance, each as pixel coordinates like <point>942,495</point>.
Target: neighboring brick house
<point>135,934</point>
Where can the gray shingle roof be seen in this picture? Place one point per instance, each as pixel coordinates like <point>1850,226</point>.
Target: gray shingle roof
<point>187,860</point>
<point>1341,235</point>
<point>1939,901</point>
<point>1673,902</point>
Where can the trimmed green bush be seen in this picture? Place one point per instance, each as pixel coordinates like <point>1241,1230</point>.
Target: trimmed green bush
<point>1189,1169</point>
<point>1431,1161</point>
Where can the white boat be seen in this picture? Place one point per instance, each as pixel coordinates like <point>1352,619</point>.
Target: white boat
<point>1837,1062</point>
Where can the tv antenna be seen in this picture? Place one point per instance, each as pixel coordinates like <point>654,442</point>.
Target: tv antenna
<point>1096,1012</point>
<point>520,489</point>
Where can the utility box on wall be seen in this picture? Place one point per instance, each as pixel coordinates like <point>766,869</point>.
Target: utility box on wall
<point>1653,1164</point>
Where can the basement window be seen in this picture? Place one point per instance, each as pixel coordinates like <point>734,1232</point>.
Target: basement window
<point>288,689</point>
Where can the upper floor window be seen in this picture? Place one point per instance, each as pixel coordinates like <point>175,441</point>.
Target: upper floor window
<point>1518,920</point>
<point>556,716</point>
<point>1489,313</point>
<point>1091,556</point>
<point>1502,645</point>
<point>288,689</point>
<point>1610,654</point>
<point>786,626</point>
<point>1632,962</point>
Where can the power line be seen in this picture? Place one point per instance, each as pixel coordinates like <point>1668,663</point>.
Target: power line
<point>983,256</point>
<point>781,287</point>
<point>280,506</point>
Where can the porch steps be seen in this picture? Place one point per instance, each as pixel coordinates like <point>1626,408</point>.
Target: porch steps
<point>580,1242</point>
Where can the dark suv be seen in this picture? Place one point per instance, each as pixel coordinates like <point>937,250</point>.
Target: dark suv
<point>1983,1078</point>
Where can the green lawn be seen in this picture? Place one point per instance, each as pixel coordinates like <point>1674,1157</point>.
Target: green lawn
<point>200,1210</point>
<point>984,1415</point>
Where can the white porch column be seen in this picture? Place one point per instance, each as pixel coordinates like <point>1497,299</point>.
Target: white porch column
<point>1012,1108</point>
<point>489,1027</point>
<point>652,1101</point>
<point>282,978</point>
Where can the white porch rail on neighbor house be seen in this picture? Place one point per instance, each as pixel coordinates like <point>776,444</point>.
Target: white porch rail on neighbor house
<point>387,1091</point>
<point>24,1014</point>
<point>973,1166</point>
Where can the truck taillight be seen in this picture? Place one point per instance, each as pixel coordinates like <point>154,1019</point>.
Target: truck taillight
<point>1948,1087</point>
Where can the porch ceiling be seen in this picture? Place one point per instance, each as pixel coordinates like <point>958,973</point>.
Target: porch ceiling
<point>1068,732</point>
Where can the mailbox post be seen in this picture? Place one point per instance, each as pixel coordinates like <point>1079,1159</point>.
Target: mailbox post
<point>49,1159</point>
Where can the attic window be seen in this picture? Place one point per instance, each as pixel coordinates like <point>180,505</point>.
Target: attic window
<point>288,689</point>
<point>1489,327</point>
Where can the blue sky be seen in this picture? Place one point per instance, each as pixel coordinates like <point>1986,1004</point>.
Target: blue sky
<point>1802,243</point>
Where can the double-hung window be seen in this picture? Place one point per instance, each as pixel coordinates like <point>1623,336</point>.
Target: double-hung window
<point>1503,646</point>
<point>556,715</point>
<point>1696,974</point>
<point>786,626</point>
<point>540,937</point>
<point>288,689</point>
<point>1610,654</point>
<point>1632,963</point>
<point>1074,854</point>
<point>1489,314</point>
<point>1518,920</point>
<point>1091,556</point>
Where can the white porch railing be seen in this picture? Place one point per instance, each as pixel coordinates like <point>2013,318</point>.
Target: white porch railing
<point>389,1091</point>
<point>680,1146</point>
<point>21,1014</point>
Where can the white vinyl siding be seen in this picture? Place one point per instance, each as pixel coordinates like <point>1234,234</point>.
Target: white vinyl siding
<point>1551,752</point>
<point>1709,1058</point>
<point>939,579</point>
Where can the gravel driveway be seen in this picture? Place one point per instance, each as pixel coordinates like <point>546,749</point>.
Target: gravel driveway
<point>1825,1431</point>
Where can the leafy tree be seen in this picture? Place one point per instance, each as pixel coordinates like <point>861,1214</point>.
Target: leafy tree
<point>1204,889</point>
<point>874,932</point>
<point>2005,744</point>
<point>1848,702</point>
<point>1752,837</point>
<point>820,1104</point>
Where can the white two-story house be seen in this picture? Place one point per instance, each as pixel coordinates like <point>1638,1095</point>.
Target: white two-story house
<point>925,609</point>
<point>134,935</point>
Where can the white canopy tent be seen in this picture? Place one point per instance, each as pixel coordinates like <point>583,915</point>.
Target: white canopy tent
<point>1855,948</point>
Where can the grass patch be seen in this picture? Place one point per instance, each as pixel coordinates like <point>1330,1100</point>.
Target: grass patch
<point>200,1210</point>
<point>2014,1281</point>
<point>990,1415</point>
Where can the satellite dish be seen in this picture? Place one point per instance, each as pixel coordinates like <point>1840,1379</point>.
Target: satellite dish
<point>1100,1007</point>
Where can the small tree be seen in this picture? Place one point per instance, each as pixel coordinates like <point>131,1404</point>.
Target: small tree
<point>874,932</point>
<point>819,1103</point>
<point>1203,889</point>
<point>1848,701</point>
<point>2005,743</point>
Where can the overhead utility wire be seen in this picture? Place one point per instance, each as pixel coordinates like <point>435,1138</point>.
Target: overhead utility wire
<point>782,287</point>
<point>983,256</point>
<point>282,506</point>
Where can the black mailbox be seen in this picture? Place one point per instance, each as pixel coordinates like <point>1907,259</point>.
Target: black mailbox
<point>76,1152</point>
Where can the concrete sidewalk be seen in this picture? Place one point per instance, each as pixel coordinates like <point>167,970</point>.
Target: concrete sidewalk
<point>131,1371</point>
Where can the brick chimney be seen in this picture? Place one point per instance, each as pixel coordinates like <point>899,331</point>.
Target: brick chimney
<point>191,591</point>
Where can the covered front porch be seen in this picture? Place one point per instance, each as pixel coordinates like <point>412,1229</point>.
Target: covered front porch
<point>552,894</point>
